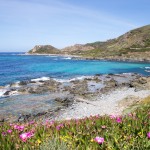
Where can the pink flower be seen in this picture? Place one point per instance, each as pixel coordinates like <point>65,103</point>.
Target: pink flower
<point>52,122</point>
<point>99,140</point>
<point>97,116</point>
<point>9,131</point>
<point>112,116</point>
<point>59,126</point>
<point>31,122</point>
<point>148,135</point>
<point>20,128</point>
<point>118,119</point>
<point>25,136</point>
<point>16,126</point>
<point>4,133</point>
<point>103,127</point>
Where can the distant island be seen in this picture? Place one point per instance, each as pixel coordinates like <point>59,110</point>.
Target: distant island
<point>133,45</point>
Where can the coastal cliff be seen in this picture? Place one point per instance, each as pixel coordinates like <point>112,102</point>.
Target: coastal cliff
<point>133,45</point>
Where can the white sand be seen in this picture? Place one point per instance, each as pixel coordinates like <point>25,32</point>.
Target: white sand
<point>103,104</point>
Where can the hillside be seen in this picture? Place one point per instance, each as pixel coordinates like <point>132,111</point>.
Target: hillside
<point>134,44</point>
<point>76,48</point>
<point>44,49</point>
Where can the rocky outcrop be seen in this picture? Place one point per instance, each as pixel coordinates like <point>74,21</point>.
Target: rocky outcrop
<point>44,49</point>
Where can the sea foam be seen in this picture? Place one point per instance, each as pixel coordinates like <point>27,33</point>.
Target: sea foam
<point>41,79</point>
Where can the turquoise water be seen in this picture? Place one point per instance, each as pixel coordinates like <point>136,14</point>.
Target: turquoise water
<point>14,67</point>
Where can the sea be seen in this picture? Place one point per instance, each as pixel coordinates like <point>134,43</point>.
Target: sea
<point>16,67</point>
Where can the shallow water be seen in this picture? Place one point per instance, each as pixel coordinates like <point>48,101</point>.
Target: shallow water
<point>15,67</point>
<point>28,104</point>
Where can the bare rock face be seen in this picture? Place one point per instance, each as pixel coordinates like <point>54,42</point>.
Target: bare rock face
<point>44,49</point>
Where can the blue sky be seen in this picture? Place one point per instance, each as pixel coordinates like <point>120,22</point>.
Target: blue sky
<point>25,23</point>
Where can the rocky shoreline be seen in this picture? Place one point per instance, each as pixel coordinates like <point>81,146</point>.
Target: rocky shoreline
<point>115,59</point>
<point>78,57</point>
<point>49,98</point>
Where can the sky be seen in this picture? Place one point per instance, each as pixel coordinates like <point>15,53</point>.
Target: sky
<point>61,23</point>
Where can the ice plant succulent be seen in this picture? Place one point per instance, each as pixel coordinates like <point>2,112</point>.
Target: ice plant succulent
<point>4,133</point>
<point>148,135</point>
<point>25,136</point>
<point>59,126</point>
<point>9,131</point>
<point>99,140</point>
<point>118,120</point>
<point>20,128</point>
<point>112,116</point>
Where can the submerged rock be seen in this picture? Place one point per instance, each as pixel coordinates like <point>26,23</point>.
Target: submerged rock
<point>23,82</point>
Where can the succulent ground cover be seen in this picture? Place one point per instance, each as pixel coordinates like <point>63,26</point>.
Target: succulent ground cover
<point>130,131</point>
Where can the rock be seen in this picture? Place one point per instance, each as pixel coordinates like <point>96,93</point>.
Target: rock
<point>77,81</point>
<point>41,81</point>
<point>62,100</point>
<point>51,83</point>
<point>67,88</point>
<point>1,87</point>
<point>66,101</point>
<point>22,90</point>
<point>80,88</point>
<point>13,84</point>
<point>32,82</point>
<point>7,93</point>
<point>128,101</point>
<point>97,79</point>
<point>2,119</point>
<point>23,118</point>
<point>23,82</point>
<point>40,113</point>
<point>111,83</point>
<point>139,83</point>
<point>98,75</point>
<point>143,80</point>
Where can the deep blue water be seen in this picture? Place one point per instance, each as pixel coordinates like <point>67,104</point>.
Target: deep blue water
<point>15,67</point>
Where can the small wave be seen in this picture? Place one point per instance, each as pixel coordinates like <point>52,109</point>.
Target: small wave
<point>147,67</point>
<point>2,91</point>
<point>42,78</point>
<point>67,58</point>
<point>51,56</point>
<point>147,70</point>
<point>72,79</point>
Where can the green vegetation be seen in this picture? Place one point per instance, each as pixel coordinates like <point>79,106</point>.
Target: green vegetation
<point>130,131</point>
<point>137,40</point>
<point>44,49</point>
<point>53,144</point>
